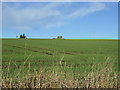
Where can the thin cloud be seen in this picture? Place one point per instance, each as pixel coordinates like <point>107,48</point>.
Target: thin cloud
<point>81,12</point>
<point>45,16</point>
<point>29,16</point>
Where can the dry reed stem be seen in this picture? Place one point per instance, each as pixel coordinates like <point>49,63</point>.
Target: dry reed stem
<point>104,78</point>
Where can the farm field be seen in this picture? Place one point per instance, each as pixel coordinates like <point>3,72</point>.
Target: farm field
<point>75,57</point>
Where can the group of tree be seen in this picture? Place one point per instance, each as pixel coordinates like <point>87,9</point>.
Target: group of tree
<point>23,36</point>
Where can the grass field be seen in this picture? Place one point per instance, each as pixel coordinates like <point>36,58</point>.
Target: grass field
<point>71,58</point>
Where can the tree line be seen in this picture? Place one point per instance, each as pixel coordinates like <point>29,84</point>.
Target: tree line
<point>22,36</point>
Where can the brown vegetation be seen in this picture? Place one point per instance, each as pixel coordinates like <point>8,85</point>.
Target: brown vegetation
<point>105,77</point>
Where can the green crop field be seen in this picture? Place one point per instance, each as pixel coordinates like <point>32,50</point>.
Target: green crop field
<point>21,57</point>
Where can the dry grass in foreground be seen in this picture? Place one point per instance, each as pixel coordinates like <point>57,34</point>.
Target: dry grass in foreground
<point>105,77</point>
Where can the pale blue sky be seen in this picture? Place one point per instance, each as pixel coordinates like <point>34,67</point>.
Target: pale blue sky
<point>78,20</point>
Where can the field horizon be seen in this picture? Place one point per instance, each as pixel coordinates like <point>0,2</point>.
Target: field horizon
<point>58,39</point>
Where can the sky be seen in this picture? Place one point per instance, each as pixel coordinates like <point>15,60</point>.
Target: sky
<point>72,20</point>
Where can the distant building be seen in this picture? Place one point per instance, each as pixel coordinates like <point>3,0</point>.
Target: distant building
<point>59,37</point>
